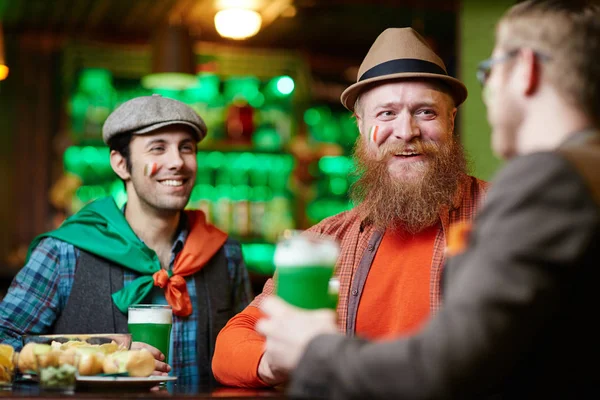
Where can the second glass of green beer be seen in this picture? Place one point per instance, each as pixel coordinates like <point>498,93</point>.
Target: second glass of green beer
<point>151,324</point>
<point>304,264</point>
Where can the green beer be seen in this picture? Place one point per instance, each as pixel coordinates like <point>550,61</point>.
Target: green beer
<point>151,324</point>
<point>304,267</point>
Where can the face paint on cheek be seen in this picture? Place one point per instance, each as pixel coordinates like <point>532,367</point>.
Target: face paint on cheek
<point>150,169</point>
<point>373,133</point>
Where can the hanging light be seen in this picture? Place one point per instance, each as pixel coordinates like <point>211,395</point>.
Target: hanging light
<point>237,23</point>
<point>3,66</point>
<point>173,60</point>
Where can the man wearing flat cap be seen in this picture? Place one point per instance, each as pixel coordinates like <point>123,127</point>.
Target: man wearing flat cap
<point>82,277</point>
<point>412,193</point>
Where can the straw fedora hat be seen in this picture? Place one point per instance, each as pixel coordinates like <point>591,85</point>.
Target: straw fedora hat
<point>401,53</point>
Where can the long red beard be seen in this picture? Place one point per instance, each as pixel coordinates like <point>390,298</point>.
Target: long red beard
<point>411,203</point>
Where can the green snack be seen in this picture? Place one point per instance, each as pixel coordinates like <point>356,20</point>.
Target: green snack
<point>58,377</point>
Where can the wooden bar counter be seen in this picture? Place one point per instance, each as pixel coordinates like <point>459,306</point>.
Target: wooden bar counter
<point>172,390</point>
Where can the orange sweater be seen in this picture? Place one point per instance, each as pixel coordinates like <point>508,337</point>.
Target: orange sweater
<point>395,301</point>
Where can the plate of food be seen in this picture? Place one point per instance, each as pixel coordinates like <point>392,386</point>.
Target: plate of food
<point>101,357</point>
<point>122,340</point>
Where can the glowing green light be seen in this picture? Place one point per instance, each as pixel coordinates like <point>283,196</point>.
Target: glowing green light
<point>95,80</point>
<point>79,105</point>
<point>259,257</point>
<point>202,191</point>
<point>169,80</point>
<point>285,85</point>
<point>215,159</point>
<point>89,155</point>
<point>323,208</point>
<point>118,192</point>
<point>262,193</point>
<point>72,159</point>
<point>206,89</point>
<point>245,161</point>
<point>242,88</point>
<point>240,192</point>
<point>257,101</point>
<point>223,191</point>
<point>312,116</point>
<point>338,185</point>
<point>337,165</point>
<point>267,139</point>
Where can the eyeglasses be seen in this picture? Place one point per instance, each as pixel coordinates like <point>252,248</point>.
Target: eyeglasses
<point>485,67</point>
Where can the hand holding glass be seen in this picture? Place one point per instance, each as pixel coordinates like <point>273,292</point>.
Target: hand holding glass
<point>304,264</point>
<point>151,324</point>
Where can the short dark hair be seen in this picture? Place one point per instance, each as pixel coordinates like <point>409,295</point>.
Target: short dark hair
<point>120,143</point>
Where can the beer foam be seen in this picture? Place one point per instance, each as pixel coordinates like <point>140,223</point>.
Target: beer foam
<point>306,251</point>
<point>150,316</point>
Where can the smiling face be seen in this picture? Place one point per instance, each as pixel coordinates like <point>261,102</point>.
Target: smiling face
<point>411,166</point>
<point>173,150</point>
<point>412,119</point>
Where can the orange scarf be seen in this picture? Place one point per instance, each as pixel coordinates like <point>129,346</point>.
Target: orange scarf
<point>202,243</point>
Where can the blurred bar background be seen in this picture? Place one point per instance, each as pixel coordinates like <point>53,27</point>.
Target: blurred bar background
<point>278,153</point>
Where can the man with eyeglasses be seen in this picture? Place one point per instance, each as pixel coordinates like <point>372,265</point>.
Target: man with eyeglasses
<point>520,293</point>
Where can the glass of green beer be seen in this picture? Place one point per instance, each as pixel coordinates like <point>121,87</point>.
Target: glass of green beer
<point>304,266</point>
<point>151,324</point>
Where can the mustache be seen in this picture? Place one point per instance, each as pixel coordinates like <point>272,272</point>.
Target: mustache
<point>389,150</point>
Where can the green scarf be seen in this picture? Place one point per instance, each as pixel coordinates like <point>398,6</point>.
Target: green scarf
<point>100,228</point>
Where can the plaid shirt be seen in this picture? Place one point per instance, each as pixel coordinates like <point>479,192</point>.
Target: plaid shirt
<point>359,242</point>
<point>41,289</point>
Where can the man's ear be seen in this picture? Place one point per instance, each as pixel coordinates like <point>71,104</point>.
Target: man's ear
<point>530,71</point>
<point>358,121</point>
<point>119,165</point>
<point>452,119</point>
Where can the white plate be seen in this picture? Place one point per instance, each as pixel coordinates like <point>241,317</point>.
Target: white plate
<point>127,382</point>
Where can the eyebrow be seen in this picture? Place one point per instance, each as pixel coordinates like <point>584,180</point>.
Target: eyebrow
<point>155,141</point>
<point>163,141</point>
<point>417,104</point>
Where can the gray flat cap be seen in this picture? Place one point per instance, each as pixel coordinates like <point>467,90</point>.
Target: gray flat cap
<point>148,113</point>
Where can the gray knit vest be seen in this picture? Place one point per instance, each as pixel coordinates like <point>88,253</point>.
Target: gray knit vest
<point>90,308</point>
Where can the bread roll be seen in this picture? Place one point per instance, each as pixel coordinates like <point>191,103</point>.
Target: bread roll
<point>27,357</point>
<point>137,363</point>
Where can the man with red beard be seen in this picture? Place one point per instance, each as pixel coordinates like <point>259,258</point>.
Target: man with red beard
<point>413,186</point>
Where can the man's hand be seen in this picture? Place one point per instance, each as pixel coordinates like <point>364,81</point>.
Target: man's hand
<point>271,374</point>
<point>288,331</point>
<point>160,367</point>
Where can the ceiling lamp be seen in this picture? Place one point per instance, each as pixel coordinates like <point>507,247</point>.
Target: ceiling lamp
<point>3,66</point>
<point>173,60</point>
<point>237,23</point>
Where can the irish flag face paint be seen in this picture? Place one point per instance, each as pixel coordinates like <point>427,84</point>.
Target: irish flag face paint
<point>150,169</point>
<point>373,133</point>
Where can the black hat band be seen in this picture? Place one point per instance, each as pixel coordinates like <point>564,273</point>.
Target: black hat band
<point>402,65</point>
